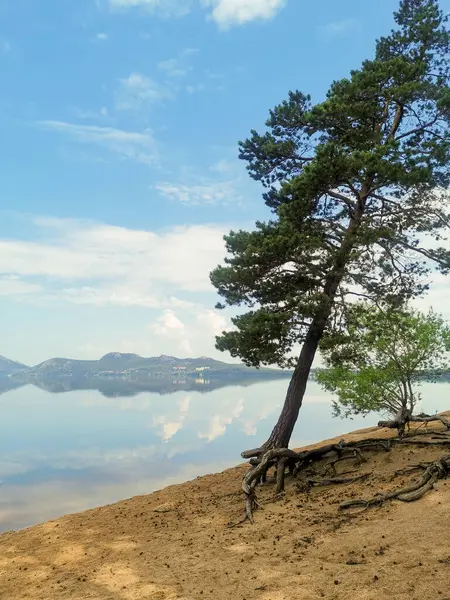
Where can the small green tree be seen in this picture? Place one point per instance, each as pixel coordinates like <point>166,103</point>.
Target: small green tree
<point>356,185</point>
<point>379,359</point>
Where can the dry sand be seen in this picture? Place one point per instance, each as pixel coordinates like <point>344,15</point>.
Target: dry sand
<point>175,544</point>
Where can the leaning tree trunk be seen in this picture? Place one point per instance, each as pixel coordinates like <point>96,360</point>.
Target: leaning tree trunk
<point>282,432</point>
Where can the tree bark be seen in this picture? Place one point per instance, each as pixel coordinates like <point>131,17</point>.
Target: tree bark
<point>282,432</point>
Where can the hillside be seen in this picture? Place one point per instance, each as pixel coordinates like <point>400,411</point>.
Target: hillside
<point>176,544</point>
<point>8,366</point>
<point>133,370</point>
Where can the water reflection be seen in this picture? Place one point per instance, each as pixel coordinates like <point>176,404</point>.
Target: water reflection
<point>64,452</point>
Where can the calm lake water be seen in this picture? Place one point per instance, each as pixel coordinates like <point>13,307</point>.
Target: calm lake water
<point>66,452</point>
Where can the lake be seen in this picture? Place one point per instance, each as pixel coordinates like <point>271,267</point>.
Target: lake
<point>66,452</point>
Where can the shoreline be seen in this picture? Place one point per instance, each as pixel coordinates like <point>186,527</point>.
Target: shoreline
<point>176,543</point>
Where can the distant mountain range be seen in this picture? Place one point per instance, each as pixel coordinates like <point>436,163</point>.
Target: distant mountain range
<point>117,373</point>
<point>8,367</point>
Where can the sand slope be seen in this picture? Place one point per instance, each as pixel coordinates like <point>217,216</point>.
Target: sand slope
<point>174,544</point>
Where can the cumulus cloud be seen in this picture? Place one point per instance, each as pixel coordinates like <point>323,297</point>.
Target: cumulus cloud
<point>239,12</point>
<point>85,262</point>
<point>80,264</point>
<point>180,333</point>
<point>140,147</point>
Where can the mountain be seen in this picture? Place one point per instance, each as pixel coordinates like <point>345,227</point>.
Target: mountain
<point>10,366</point>
<point>66,372</point>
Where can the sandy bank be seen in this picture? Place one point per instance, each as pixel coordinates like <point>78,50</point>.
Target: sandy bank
<point>175,544</point>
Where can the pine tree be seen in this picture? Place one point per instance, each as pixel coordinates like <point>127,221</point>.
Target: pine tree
<point>357,188</point>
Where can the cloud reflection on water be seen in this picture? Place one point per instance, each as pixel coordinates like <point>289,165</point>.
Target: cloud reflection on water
<point>67,452</point>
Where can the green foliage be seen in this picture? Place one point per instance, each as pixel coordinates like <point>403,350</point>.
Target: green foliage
<point>380,356</point>
<point>356,188</point>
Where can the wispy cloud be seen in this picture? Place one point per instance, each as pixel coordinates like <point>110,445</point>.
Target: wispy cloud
<point>165,8</point>
<point>140,147</point>
<point>223,166</point>
<point>211,193</point>
<point>178,66</point>
<point>339,29</point>
<point>137,91</point>
<point>102,37</point>
<point>79,113</point>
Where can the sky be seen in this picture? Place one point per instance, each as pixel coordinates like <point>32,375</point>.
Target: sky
<point>120,122</point>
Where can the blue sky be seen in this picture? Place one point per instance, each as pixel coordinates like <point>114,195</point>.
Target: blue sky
<point>120,121</point>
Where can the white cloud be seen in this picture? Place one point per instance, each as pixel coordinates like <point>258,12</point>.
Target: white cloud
<point>165,8</point>
<point>14,286</point>
<point>102,113</point>
<point>225,13</point>
<point>140,147</point>
<point>102,37</point>
<point>170,327</point>
<point>89,263</point>
<point>179,334</point>
<point>339,29</point>
<point>239,12</point>
<point>74,264</point>
<point>211,193</point>
<point>138,91</point>
<point>178,66</point>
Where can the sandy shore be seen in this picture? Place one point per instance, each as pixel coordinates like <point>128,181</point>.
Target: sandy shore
<point>175,544</point>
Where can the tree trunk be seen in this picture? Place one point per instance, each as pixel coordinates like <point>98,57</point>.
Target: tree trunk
<point>282,432</point>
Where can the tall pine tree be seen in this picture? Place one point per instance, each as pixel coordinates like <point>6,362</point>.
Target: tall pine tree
<point>357,187</point>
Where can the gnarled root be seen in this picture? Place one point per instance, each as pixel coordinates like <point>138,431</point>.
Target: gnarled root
<point>405,420</point>
<point>262,460</point>
<point>434,471</point>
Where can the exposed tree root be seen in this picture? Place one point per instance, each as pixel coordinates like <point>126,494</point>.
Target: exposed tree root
<point>281,458</point>
<point>434,471</point>
<point>404,420</point>
<point>339,480</point>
